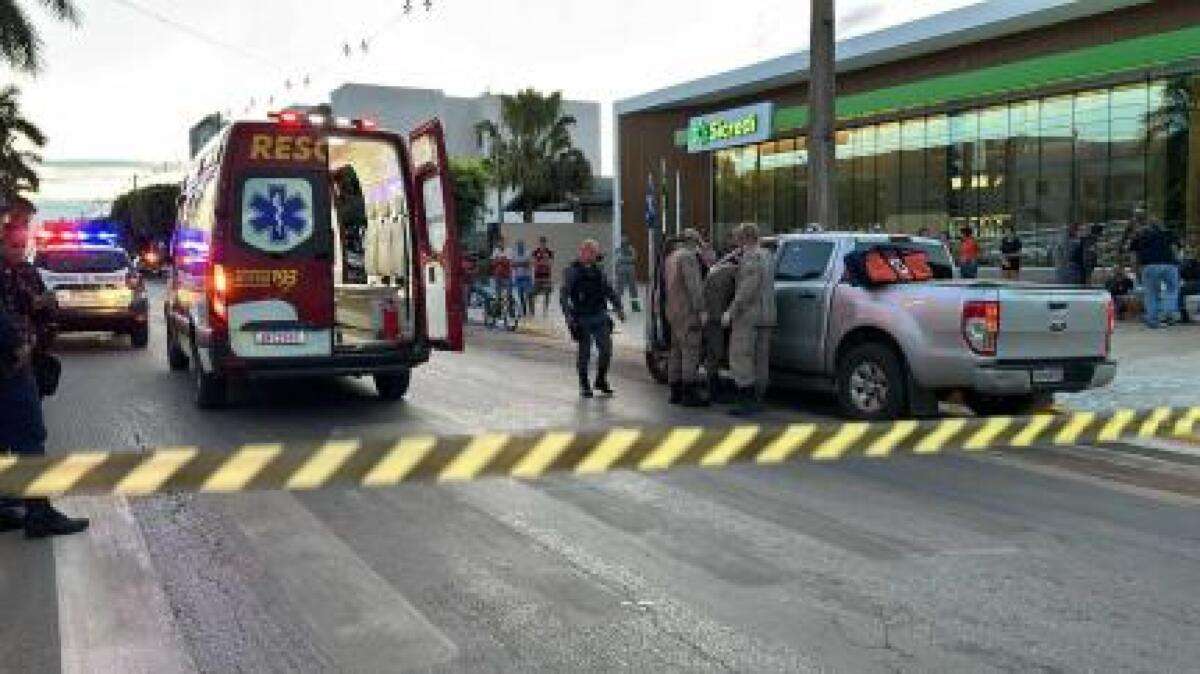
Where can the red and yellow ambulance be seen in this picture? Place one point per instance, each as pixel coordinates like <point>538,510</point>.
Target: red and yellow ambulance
<point>312,246</point>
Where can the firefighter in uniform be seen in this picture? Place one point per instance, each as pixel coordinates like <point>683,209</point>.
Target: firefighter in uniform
<point>25,329</point>
<point>686,315</point>
<point>718,293</point>
<point>585,296</point>
<point>751,319</point>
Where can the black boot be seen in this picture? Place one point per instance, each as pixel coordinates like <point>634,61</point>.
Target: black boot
<point>747,402</point>
<point>11,518</point>
<point>42,520</point>
<point>602,379</point>
<point>585,388</point>
<point>676,394</point>
<point>692,396</point>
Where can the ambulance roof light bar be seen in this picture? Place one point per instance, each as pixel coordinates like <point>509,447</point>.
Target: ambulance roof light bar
<point>296,118</point>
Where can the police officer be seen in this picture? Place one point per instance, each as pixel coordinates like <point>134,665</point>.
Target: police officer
<point>626,270</point>
<point>686,315</point>
<point>751,318</point>
<point>26,308</point>
<point>718,293</point>
<point>585,296</point>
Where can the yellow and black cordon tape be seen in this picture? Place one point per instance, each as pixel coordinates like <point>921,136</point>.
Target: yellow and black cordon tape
<point>385,462</point>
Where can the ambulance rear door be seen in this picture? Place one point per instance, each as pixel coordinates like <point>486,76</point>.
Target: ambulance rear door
<point>441,296</point>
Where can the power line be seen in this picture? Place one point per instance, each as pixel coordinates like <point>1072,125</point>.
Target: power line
<point>199,35</point>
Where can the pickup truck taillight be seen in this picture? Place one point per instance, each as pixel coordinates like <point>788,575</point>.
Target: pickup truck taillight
<point>981,326</point>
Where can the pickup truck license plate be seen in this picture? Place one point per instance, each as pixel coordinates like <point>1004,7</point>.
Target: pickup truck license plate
<point>280,337</point>
<point>1048,375</point>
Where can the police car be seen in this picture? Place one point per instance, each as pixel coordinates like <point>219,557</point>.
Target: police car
<point>94,281</point>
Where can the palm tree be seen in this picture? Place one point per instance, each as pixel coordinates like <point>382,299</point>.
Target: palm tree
<point>530,151</point>
<point>17,163</point>
<point>19,41</point>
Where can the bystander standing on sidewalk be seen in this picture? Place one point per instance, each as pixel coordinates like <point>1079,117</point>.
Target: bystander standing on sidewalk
<point>968,254</point>
<point>1067,257</point>
<point>1155,247</point>
<point>501,268</point>
<point>522,273</point>
<point>1120,286</point>
<point>1089,253</point>
<point>626,272</point>
<point>1010,254</point>
<point>543,275</point>
<point>24,310</point>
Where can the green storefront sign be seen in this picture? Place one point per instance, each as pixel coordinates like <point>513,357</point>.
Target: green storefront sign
<point>739,126</point>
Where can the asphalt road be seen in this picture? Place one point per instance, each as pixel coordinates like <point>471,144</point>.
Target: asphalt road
<point>1083,560</point>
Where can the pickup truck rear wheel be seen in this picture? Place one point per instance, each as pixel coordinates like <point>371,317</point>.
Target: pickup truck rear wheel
<point>870,382</point>
<point>1009,406</point>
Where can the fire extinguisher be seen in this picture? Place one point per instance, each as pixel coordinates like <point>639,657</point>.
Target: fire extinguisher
<point>391,319</point>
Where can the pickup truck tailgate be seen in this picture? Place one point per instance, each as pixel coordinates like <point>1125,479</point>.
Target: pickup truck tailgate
<point>1048,323</point>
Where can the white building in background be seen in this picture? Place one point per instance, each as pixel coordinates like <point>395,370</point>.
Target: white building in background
<point>403,108</point>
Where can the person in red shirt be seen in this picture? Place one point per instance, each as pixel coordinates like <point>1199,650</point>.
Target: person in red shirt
<point>502,283</point>
<point>543,283</point>
<point>968,254</point>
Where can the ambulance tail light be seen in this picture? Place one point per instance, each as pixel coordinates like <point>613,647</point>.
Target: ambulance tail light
<point>219,294</point>
<point>366,124</point>
<point>287,118</point>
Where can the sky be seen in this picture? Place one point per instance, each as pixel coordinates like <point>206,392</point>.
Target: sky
<point>126,85</point>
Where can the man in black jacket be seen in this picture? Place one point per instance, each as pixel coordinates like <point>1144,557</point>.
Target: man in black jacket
<point>585,296</point>
<point>22,430</point>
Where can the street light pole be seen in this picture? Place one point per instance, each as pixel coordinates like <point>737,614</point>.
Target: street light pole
<point>822,202</point>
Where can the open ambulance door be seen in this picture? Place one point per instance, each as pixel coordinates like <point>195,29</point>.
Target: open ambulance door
<point>438,258</point>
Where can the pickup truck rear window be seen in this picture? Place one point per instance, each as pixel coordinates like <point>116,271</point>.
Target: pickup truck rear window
<point>803,260</point>
<point>939,257</point>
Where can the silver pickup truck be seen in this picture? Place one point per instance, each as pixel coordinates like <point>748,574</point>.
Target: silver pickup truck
<point>897,350</point>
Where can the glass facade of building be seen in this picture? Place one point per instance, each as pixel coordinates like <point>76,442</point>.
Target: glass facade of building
<point>1090,157</point>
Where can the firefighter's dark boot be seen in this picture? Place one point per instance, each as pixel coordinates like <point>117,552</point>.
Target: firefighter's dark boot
<point>43,520</point>
<point>585,388</point>
<point>692,397</point>
<point>747,402</point>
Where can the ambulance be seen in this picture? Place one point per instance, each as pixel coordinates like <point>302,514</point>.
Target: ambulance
<point>308,246</point>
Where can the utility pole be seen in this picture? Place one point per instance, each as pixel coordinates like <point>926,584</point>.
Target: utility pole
<point>822,201</point>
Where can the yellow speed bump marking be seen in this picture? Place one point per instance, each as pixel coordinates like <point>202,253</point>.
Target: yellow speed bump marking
<point>836,446</point>
<point>1150,426</point>
<point>786,444</point>
<point>63,475</point>
<point>1186,425</point>
<point>241,467</point>
<point>898,433</point>
<point>1079,423</point>
<point>400,460</point>
<point>609,451</point>
<point>984,437</point>
<point>936,441</point>
<point>675,445</point>
<point>1034,427</point>
<point>323,464</point>
<point>734,442</point>
<point>153,472</point>
<point>477,455</point>
<point>539,458</point>
<point>1115,427</point>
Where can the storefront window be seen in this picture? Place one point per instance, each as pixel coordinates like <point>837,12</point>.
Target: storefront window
<point>1091,157</point>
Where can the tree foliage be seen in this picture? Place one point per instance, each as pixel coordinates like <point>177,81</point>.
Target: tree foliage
<point>20,44</point>
<point>530,150</point>
<point>147,213</point>
<point>19,141</point>
<point>471,179</point>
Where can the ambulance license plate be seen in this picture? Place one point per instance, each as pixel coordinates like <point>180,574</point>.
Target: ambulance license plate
<point>1049,375</point>
<point>280,337</point>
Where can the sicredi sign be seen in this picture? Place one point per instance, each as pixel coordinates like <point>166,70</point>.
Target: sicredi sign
<point>738,126</point>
